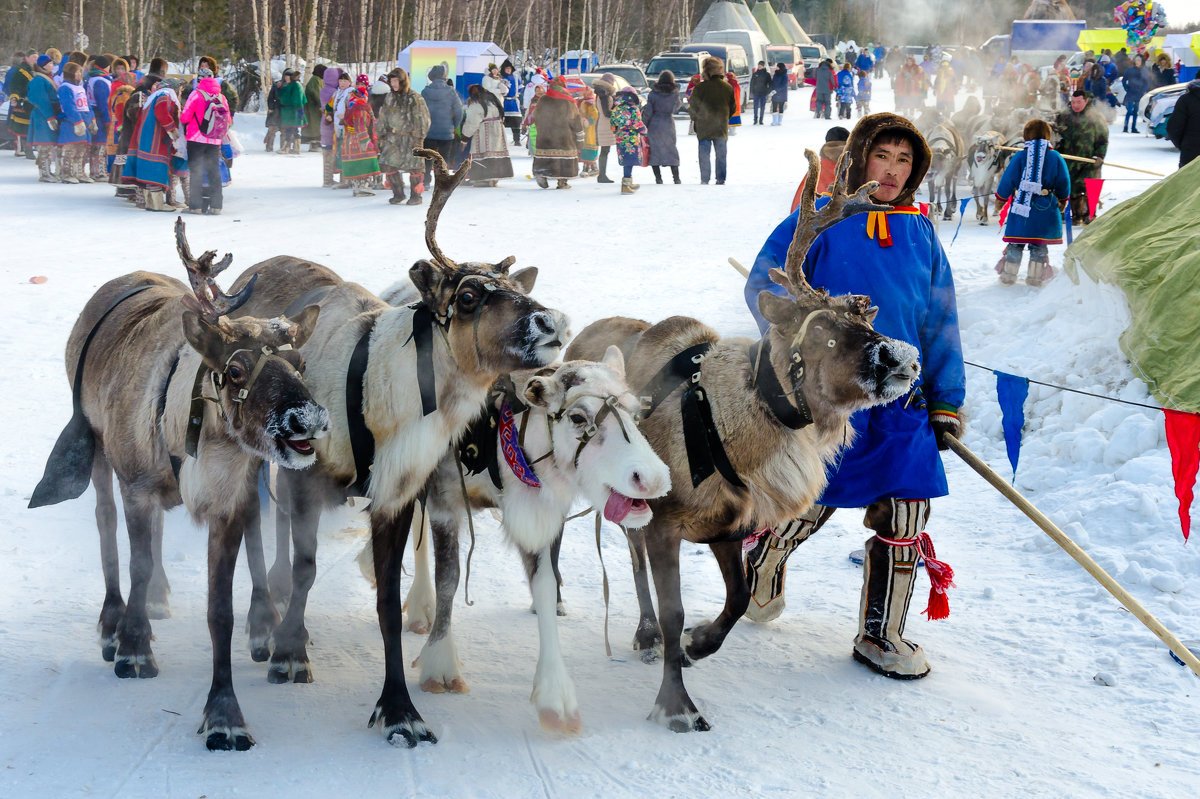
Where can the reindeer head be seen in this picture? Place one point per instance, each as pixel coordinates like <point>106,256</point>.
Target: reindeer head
<point>826,345</point>
<point>490,321</point>
<point>254,364</point>
<point>592,420</point>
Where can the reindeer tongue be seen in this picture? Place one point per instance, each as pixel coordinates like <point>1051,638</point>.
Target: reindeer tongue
<point>617,507</point>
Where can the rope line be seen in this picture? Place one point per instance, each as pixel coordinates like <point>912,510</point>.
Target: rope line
<point>1072,390</point>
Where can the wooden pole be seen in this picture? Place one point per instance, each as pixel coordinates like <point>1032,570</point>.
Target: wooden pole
<point>736,264</point>
<point>1073,549</point>
<point>1092,161</point>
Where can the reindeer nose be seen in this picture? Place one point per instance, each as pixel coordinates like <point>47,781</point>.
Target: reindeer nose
<point>543,323</point>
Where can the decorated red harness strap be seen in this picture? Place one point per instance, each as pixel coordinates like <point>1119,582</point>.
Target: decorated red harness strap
<point>941,576</point>
<point>510,447</point>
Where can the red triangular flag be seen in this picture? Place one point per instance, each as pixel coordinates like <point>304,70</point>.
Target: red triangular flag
<point>1092,187</point>
<point>1183,440</point>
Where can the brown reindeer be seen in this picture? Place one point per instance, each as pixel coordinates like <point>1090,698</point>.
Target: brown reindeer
<point>184,405</point>
<point>419,374</point>
<point>747,428</point>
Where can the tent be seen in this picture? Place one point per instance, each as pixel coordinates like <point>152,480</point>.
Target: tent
<point>724,15</point>
<point>1144,247</point>
<point>768,20</point>
<point>1184,48</point>
<point>466,62</point>
<point>577,61</point>
<point>792,26</point>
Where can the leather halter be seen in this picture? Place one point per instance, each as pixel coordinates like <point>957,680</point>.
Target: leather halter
<point>219,379</point>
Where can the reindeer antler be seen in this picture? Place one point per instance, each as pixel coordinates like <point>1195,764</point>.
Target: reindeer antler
<point>444,183</point>
<point>202,273</point>
<point>812,222</point>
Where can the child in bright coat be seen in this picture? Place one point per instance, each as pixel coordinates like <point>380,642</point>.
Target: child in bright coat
<point>76,125</point>
<point>845,92</point>
<point>863,97</point>
<point>203,149</point>
<point>627,125</point>
<point>360,149</point>
<point>1037,181</point>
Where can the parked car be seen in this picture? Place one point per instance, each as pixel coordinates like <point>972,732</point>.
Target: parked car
<point>789,56</point>
<point>682,65</point>
<point>734,57</point>
<point>1157,106</point>
<point>632,74</point>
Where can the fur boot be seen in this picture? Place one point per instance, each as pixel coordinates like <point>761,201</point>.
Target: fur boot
<point>43,165</point>
<point>766,563</point>
<point>397,189</point>
<point>80,153</point>
<point>179,191</point>
<point>416,181</point>
<point>328,167</point>
<point>1008,270</point>
<point>361,190</point>
<point>156,200</point>
<point>1040,273</point>
<point>627,186</point>
<point>889,573</point>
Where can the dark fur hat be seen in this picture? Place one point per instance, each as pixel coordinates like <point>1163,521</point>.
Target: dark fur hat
<point>875,127</point>
<point>712,67</point>
<point>158,66</point>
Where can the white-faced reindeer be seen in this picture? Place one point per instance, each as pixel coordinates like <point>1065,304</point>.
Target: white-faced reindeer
<point>184,404</point>
<point>401,384</point>
<point>948,151</point>
<point>747,428</point>
<point>985,164</point>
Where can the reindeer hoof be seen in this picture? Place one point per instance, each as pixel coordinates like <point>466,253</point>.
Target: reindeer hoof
<point>418,626</point>
<point>259,653</point>
<point>230,739</point>
<point>455,685</point>
<point>553,721</point>
<point>108,649</point>
<point>141,666</point>
<point>287,670</point>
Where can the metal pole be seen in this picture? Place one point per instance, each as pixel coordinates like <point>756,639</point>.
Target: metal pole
<point>1073,549</point>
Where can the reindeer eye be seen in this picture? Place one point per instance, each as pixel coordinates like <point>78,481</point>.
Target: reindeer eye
<point>577,418</point>
<point>468,299</point>
<point>236,373</point>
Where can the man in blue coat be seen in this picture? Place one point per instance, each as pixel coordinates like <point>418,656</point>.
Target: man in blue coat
<point>892,467</point>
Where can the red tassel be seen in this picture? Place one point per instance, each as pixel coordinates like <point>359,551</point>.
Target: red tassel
<point>941,579</point>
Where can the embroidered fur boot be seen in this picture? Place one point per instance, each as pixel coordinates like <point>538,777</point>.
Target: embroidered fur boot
<point>328,166</point>
<point>1039,274</point>
<point>889,573</point>
<point>766,563</point>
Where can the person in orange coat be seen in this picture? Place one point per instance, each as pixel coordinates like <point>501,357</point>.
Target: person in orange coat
<point>831,151</point>
<point>735,121</point>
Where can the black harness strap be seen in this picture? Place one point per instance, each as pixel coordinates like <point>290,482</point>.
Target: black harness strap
<point>422,336</point>
<point>69,467</point>
<point>677,370</point>
<point>772,393</point>
<point>195,414</point>
<point>479,449</point>
<point>362,442</point>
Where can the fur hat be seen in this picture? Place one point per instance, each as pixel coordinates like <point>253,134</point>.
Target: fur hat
<point>871,129</point>
<point>402,75</point>
<point>54,53</point>
<point>101,61</point>
<point>72,72</point>
<point>207,59</point>
<point>319,70</point>
<point>120,62</point>
<point>605,83</point>
<point>158,66</point>
<point>837,133</point>
<point>437,72</point>
<point>712,67</point>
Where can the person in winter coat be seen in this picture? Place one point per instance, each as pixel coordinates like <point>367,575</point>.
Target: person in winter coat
<point>629,129</point>
<point>1039,184</point>
<point>495,83</point>
<point>42,98</point>
<point>779,93</point>
<point>760,87</point>
<point>1163,71</point>
<point>330,82</point>
<point>735,119</point>
<point>945,86</point>
<point>312,108</point>
<point>122,89</point>
<point>661,105</point>
<point>203,149</point>
<point>892,467</point>
<point>862,94</point>
<point>360,149</point>
<point>831,151</point>
<point>402,124</point>
<point>291,112</point>
<point>98,85</point>
<point>605,88</point>
<point>1136,82</point>
<point>483,126</point>
<point>445,116</point>
<point>910,85</point>
<point>845,91</point>
<point>272,119</point>
<point>1183,128</point>
<point>16,86</point>
<point>823,92</point>
<point>512,105</point>
<point>711,107</point>
<point>1084,133</point>
<point>77,125</point>
<point>559,131</point>
<point>589,148</point>
<point>131,112</point>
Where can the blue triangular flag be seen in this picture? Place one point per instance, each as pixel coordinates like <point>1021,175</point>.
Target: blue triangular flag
<point>1011,391</point>
<point>962,209</point>
<point>1067,222</point>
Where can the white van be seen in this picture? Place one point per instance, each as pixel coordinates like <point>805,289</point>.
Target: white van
<point>753,42</point>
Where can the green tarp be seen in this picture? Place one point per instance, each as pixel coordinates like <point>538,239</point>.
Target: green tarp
<point>1149,247</point>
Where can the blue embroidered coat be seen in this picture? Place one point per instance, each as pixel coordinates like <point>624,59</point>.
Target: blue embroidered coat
<point>74,104</point>
<point>1044,225</point>
<point>43,97</point>
<point>894,454</point>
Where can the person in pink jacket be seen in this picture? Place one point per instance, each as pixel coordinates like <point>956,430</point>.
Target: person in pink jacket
<point>204,144</point>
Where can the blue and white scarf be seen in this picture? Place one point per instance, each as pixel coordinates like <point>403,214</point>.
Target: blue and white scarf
<point>1031,176</point>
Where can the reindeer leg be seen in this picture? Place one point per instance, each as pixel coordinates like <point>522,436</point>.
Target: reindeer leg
<point>673,707</point>
<point>158,603</point>
<point>648,639</point>
<point>705,639</point>
<point>262,617</point>
<point>134,658</point>
<point>223,725</point>
<point>531,560</point>
<point>394,712</point>
<point>106,522</point>
<point>553,690</point>
<point>441,669</point>
<point>289,660</point>
<point>421,601</point>
<point>279,578</point>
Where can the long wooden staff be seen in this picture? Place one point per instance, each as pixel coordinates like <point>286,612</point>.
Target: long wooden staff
<point>1093,162</point>
<point>1073,549</point>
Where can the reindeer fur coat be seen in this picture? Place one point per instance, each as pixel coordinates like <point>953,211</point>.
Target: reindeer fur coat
<point>896,259</point>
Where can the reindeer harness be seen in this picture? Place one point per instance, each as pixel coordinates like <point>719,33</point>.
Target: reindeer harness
<point>219,380</point>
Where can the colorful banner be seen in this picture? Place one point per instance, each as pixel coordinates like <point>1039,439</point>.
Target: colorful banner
<point>1092,187</point>
<point>1183,440</point>
<point>426,58</point>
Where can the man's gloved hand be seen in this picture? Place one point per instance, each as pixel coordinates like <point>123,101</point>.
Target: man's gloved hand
<point>945,419</point>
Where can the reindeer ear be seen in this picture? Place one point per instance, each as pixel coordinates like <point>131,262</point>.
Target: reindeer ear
<point>775,309</point>
<point>614,360</point>
<point>205,338</point>
<point>427,277</point>
<point>305,322</point>
<point>525,278</point>
<point>543,391</point>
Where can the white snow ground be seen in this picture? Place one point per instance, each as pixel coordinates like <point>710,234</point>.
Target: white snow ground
<point>1011,708</point>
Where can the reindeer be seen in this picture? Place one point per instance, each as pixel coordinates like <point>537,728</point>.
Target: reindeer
<point>985,163</point>
<point>948,151</point>
<point>742,455</point>
<point>185,405</point>
<point>401,385</point>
